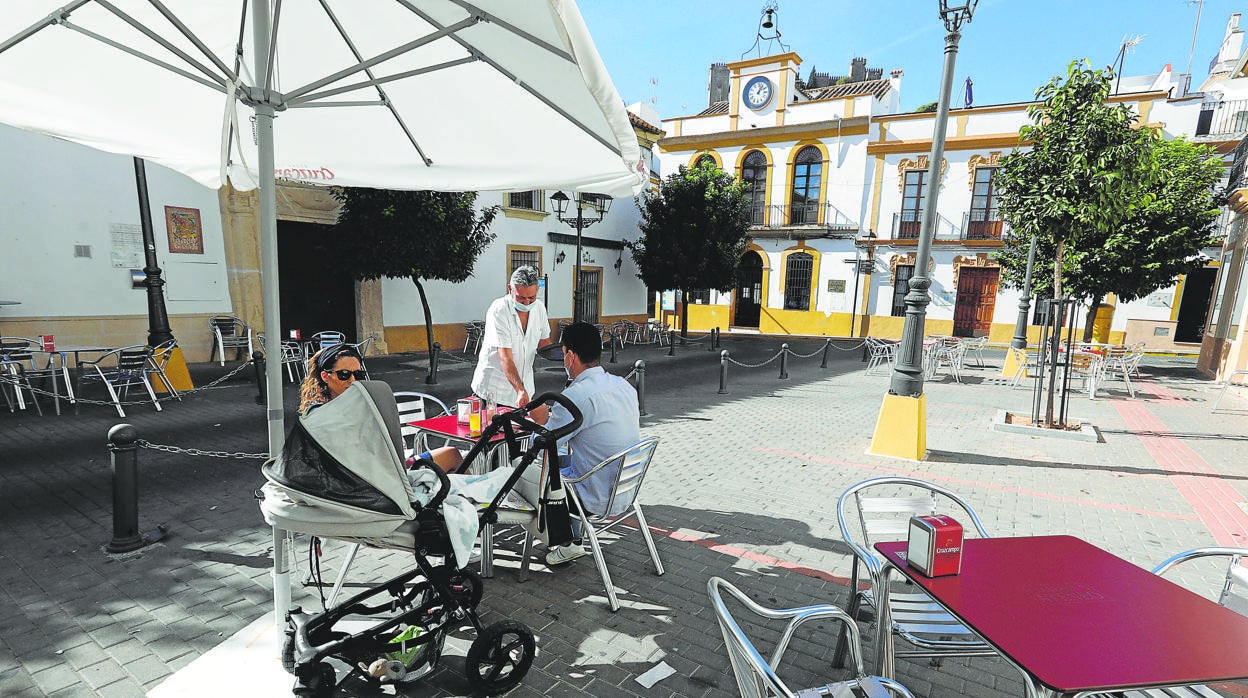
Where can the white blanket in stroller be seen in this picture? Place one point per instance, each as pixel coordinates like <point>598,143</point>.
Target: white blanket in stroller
<point>468,492</point>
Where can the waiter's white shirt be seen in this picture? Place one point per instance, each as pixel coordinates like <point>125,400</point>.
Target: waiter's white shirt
<point>502,329</point>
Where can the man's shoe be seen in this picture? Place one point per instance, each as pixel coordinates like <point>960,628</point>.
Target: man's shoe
<point>561,554</point>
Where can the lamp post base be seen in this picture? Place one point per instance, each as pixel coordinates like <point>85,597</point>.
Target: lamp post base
<point>177,373</point>
<point>901,428</point>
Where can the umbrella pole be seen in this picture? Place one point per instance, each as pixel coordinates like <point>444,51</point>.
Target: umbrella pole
<point>261,27</point>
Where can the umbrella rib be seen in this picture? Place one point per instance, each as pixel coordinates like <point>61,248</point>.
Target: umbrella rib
<point>382,57</point>
<point>613,147</point>
<point>160,40</point>
<point>143,56</point>
<point>373,78</point>
<point>268,69</point>
<point>378,81</point>
<point>51,20</point>
<point>194,39</point>
<point>492,19</point>
<point>355,103</point>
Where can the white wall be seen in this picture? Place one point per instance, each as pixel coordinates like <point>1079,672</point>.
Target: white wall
<point>57,194</point>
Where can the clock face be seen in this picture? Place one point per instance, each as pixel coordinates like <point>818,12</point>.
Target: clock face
<point>758,93</point>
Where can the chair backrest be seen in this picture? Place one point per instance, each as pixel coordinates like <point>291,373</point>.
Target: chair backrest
<point>227,325</point>
<point>756,677</point>
<point>631,465</point>
<point>19,349</point>
<point>1234,576</point>
<point>414,406</point>
<point>879,510</point>
<point>328,339</point>
<point>133,359</point>
<point>1083,362</point>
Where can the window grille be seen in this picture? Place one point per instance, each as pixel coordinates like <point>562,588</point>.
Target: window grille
<point>528,200</point>
<point>705,160</point>
<point>700,295</point>
<point>520,258</point>
<point>797,274</point>
<point>901,286</point>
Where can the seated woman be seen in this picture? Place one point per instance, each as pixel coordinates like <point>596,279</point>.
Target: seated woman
<point>331,371</point>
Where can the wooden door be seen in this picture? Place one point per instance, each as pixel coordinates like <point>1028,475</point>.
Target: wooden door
<point>976,300</point>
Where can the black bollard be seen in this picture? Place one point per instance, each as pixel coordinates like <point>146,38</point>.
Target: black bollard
<point>432,378</point>
<point>723,372</point>
<point>715,340</point>
<point>827,344</point>
<point>257,358</point>
<point>124,453</point>
<point>784,361</point>
<point>671,342</point>
<point>612,340</point>
<point>640,367</point>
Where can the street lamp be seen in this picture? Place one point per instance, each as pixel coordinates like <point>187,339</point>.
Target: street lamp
<point>904,409</point>
<point>590,208</point>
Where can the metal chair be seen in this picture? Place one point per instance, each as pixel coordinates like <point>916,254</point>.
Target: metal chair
<point>947,351</point>
<point>757,677</point>
<point>630,467</point>
<point>293,361</point>
<point>229,332</point>
<point>1233,594</point>
<point>879,510</point>
<point>1121,361</point>
<point>22,350</point>
<point>880,352</point>
<point>473,333</point>
<point>1026,366</point>
<point>130,369</point>
<point>1230,378</point>
<point>413,407</point>
<point>975,345</point>
<point>161,354</point>
<point>13,375</point>
<point>1087,367</point>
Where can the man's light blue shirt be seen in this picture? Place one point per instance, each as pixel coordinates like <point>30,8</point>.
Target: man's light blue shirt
<point>609,406</point>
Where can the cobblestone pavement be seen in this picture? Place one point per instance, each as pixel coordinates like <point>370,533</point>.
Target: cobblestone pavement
<point>743,486</point>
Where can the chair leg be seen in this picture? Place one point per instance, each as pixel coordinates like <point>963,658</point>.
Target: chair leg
<point>842,635</point>
<point>111,391</point>
<point>601,562</point>
<point>645,531</point>
<point>1221,392</point>
<point>148,384</point>
<point>342,574</point>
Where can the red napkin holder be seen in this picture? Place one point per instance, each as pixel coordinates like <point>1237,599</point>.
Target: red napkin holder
<point>934,546</point>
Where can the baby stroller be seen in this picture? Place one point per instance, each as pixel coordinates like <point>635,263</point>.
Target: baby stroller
<point>341,475</point>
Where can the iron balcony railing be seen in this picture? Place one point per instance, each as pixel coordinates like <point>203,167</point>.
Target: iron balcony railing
<point>975,226</point>
<point>1223,118</point>
<point>811,214</point>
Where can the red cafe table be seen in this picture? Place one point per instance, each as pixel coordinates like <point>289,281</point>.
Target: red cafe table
<point>1074,618</point>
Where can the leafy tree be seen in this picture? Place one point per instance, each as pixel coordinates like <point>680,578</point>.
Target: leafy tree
<point>419,235</point>
<point>693,232</point>
<point>928,108</point>
<point>1092,189</point>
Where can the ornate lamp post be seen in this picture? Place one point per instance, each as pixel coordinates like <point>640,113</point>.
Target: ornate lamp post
<point>898,415</point>
<point>590,208</point>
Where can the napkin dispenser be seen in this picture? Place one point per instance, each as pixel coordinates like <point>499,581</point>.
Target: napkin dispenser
<point>934,546</point>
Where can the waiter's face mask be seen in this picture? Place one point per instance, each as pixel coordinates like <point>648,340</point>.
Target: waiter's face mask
<point>523,298</point>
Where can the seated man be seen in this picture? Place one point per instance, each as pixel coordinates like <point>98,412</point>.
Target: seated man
<point>608,404</point>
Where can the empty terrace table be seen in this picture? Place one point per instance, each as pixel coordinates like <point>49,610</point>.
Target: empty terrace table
<point>1074,618</point>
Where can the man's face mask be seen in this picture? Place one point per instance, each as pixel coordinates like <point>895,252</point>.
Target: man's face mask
<point>523,298</point>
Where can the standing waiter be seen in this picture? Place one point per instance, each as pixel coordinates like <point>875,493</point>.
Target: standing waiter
<point>516,326</point>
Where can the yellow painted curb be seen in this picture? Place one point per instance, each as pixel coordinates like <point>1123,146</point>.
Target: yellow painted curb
<point>177,373</point>
<point>901,428</point>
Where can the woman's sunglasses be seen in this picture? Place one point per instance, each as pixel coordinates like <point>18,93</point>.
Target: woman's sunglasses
<point>343,374</point>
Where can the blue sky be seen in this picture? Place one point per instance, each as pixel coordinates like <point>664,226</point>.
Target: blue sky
<point>1010,48</point>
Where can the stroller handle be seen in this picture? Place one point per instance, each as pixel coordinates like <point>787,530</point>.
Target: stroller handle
<point>577,417</point>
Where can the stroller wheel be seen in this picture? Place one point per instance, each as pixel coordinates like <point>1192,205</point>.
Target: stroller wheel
<point>466,587</point>
<point>500,657</point>
<point>288,650</point>
<point>319,683</point>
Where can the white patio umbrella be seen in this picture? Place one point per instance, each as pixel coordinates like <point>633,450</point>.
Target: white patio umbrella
<point>447,95</point>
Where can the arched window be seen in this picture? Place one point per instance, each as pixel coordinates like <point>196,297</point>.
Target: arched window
<point>807,178</point>
<point>706,160</point>
<point>797,273</point>
<point>754,174</point>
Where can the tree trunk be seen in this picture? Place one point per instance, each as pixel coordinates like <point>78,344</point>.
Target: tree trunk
<point>1057,269</point>
<point>1089,325</point>
<point>684,316</point>
<point>424,304</point>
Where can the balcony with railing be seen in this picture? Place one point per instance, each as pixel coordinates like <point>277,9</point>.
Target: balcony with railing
<point>810,218</point>
<point>1223,119</point>
<point>976,227</point>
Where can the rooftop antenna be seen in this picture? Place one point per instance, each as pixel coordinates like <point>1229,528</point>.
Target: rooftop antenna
<point>1200,5</point>
<point>768,29</point>
<point>1121,58</point>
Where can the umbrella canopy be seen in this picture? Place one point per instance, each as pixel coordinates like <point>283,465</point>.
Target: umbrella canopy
<point>399,94</point>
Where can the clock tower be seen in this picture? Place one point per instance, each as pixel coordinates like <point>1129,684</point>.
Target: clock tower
<point>762,88</point>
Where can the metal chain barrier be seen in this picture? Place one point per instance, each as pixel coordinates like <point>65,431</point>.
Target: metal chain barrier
<point>806,356</point>
<point>756,365</point>
<point>143,443</point>
<point>856,347</point>
<point>13,381</point>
